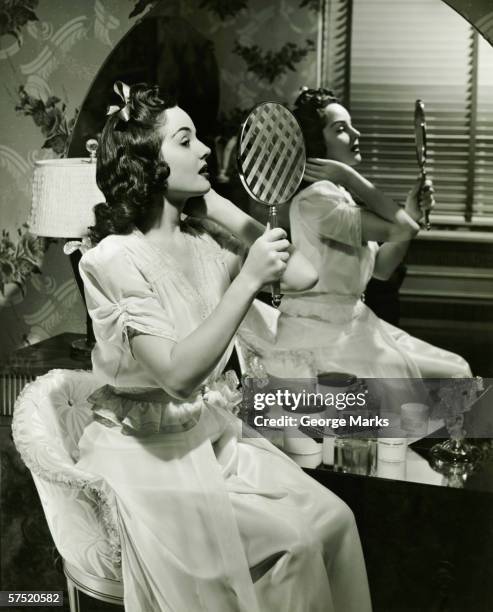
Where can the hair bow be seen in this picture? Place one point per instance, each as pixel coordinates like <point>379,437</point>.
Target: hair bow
<point>122,90</point>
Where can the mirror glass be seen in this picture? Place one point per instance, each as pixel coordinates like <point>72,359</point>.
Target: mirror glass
<point>379,57</point>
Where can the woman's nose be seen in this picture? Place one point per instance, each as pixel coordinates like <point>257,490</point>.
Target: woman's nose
<point>356,133</point>
<point>205,151</point>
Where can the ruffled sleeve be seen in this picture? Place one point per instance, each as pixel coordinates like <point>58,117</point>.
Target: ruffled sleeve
<point>329,212</point>
<point>119,298</point>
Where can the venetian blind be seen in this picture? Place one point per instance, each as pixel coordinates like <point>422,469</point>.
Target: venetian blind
<point>403,50</point>
<point>483,150</point>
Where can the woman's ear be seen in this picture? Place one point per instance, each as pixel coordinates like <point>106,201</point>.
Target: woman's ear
<point>161,174</point>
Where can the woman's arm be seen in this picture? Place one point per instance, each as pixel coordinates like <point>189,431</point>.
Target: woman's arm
<point>391,254</point>
<point>299,275</point>
<point>181,367</point>
<point>383,220</point>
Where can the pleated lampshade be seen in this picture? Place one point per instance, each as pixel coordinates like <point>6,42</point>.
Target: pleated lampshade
<point>64,194</point>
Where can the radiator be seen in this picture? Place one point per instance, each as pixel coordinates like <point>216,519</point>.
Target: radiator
<point>11,384</point>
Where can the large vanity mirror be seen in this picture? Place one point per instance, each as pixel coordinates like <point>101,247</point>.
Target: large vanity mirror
<point>380,56</point>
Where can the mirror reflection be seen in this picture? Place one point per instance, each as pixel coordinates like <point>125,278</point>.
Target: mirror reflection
<point>378,66</point>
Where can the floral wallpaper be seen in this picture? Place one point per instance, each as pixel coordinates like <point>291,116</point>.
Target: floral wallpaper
<point>50,50</point>
<point>265,52</point>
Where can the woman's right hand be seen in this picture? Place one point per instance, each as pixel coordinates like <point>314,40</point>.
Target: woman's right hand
<point>267,259</point>
<point>420,199</point>
<point>318,169</point>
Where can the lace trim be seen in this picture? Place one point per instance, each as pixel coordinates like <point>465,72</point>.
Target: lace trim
<point>138,416</point>
<point>66,475</point>
<point>144,412</point>
<point>190,291</point>
<point>201,272</point>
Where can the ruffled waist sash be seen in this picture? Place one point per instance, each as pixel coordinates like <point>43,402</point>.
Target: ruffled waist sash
<point>148,411</point>
<point>324,307</point>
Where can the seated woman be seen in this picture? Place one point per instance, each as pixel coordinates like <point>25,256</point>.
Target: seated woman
<point>328,327</point>
<point>208,519</point>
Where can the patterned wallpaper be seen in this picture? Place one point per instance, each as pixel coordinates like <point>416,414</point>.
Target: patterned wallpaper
<point>265,50</point>
<point>270,25</point>
<point>57,54</point>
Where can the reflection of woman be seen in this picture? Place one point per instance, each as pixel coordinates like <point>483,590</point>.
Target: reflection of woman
<point>207,520</point>
<point>329,327</point>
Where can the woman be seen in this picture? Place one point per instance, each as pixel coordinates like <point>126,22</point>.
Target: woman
<point>329,328</point>
<point>207,520</point>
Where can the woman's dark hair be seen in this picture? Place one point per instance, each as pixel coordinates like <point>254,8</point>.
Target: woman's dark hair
<point>308,110</point>
<point>129,170</point>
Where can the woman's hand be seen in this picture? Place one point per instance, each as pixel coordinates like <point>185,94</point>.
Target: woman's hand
<point>318,169</point>
<point>415,205</point>
<point>267,259</point>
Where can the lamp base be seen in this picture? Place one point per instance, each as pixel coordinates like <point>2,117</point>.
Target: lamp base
<point>81,349</point>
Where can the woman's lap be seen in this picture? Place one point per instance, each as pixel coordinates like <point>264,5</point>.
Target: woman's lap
<point>366,346</point>
<point>302,529</point>
<point>293,531</point>
<point>432,361</point>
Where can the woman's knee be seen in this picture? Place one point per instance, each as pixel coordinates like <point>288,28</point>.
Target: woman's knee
<point>334,517</point>
<point>457,367</point>
<point>463,367</point>
<point>344,517</point>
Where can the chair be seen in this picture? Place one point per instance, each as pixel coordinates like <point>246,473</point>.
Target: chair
<point>49,418</point>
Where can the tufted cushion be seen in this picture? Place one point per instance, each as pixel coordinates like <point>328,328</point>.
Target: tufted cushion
<point>49,418</point>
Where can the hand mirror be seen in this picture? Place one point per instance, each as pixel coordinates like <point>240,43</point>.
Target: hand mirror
<point>271,160</point>
<point>421,149</point>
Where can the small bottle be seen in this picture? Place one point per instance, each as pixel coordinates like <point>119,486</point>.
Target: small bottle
<point>333,383</point>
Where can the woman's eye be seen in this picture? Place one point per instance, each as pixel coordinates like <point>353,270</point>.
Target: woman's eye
<point>185,143</point>
<point>341,128</point>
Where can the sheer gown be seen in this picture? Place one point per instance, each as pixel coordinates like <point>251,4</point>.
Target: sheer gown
<point>329,327</point>
<point>209,520</point>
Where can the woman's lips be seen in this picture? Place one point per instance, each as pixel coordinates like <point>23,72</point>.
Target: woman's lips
<point>204,171</point>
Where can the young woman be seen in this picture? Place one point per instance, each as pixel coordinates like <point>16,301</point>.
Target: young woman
<point>207,520</point>
<point>329,328</point>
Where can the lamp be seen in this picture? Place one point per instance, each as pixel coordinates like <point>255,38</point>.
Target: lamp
<point>64,195</point>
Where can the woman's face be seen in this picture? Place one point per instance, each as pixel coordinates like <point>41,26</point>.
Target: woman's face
<point>341,138</point>
<point>185,155</point>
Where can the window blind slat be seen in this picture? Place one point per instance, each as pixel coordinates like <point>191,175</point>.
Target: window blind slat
<point>402,50</point>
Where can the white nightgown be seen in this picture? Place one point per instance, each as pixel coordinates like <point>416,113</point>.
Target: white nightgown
<point>329,328</point>
<point>208,520</point>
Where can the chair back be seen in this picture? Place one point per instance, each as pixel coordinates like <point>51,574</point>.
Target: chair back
<point>49,418</point>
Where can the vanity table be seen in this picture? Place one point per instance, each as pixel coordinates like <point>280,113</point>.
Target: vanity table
<point>427,536</point>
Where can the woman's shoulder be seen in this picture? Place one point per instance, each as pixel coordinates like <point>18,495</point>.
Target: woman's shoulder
<point>321,189</point>
<point>320,198</point>
<point>109,252</point>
